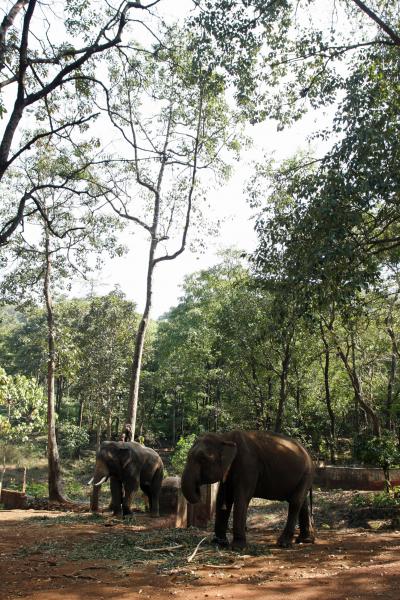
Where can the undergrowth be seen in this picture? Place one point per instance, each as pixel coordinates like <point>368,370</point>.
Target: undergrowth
<point>124,549</point>
<point>377,500</point>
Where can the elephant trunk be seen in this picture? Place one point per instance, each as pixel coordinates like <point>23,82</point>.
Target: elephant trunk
<point>190,483</point>
<point>101,473</point>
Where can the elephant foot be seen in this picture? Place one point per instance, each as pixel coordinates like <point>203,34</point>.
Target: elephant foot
<point>154,515</point>
<point>305,539</point>
<point>284,542</point>
<point>127,511</point>
<point>238,545</point>
<point>218,541</point>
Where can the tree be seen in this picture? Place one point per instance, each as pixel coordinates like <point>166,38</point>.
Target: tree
<point>50,77</point>
<point>289,56</point>
<point>106,345</point>
<point>184,132</point>
<point>22,407</point>
<point>38,262</point>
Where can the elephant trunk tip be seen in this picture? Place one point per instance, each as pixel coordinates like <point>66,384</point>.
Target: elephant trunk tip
<point>191,492</point>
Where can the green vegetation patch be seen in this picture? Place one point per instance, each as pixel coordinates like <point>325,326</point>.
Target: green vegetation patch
<point>377,499</point>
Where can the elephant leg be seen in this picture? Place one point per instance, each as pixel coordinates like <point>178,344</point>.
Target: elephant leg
<point>130,487</point>
<point>146,489</point>
<point>240,506</point>
<point>127,500</point>
<point>222,512</point>
<point>306,535</point>
<point>296,502</point>
<point>116,496</point>
<point>154,496</point>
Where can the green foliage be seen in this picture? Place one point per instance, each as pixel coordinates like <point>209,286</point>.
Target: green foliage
<point>72,438</point>
<point>22,407</point>
<point>376,500</point>
<point>182,448</point>
<point>381,452</point>
<point>37,489</point>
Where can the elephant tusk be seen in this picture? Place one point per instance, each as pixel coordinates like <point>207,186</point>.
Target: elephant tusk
<point>90,482</point>
<point>102,480</point>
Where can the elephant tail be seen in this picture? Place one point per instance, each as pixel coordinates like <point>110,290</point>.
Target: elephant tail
<point>311,504</point>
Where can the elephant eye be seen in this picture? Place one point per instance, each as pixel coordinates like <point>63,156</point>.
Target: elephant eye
<point>208,457</point>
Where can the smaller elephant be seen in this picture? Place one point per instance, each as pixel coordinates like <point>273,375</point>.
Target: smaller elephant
<point>251,464</point>
<point>128,465</point>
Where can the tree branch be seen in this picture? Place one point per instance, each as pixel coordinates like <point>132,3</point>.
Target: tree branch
<point>384,26</point>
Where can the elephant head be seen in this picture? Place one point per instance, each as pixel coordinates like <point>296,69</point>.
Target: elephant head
<point>111,459</point>
<point>208,461</point>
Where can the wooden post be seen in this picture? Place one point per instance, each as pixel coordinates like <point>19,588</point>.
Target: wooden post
<point>24,482</point>
<point>172,502</point>
<point>2,475</point>
<point>200,514</point>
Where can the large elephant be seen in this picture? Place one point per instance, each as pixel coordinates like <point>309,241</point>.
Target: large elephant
<point>128,465</point>
<point>251,464</point>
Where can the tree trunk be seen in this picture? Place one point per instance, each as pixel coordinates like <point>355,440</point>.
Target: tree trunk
<point>356,383</point>
<point>54,475</point>
<point>80,414</point>
<point>109,425</point>
<point>269,412</point>
<point>98,434</point>
<point>116,428</point>
<point>282,390</point>
<point>153,230</point>
<point>174,420</point>
<point>392,375</point>
<point>328,399</point>
<point>139,342</point>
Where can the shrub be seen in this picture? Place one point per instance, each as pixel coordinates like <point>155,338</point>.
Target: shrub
<point>183,446</point>
<point>72,439</point>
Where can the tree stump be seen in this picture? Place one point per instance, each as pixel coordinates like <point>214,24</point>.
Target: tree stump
<point>200,514</point>
<point>172,502</point>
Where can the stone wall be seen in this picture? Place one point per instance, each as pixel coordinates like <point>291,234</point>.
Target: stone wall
<point>12,499</point>
<point>331,477</point>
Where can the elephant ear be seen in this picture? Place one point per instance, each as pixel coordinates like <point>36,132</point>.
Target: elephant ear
<point>125,457</point>
<point>229,450</point>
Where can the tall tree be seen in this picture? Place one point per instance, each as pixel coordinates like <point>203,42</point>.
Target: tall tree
<point>41,263</point>
<point>169,143</point>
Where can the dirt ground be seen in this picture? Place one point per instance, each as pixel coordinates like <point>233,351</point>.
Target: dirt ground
<point>37,562</point>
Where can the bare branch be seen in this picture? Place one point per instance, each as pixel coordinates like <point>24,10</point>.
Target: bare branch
<point>182,247</point>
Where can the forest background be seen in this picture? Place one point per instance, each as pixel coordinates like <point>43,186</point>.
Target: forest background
<point>130,122</point>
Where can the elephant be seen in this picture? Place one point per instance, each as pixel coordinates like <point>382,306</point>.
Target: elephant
<point>250,464</point>
<point>128,465</point>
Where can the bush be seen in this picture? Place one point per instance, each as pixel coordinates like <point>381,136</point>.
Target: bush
<point>380,452</point>
<point>22,407</point>
<point>183,446</point>
<point>72,439</point>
